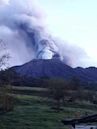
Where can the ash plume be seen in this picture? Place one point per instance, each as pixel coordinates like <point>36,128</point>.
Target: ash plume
<point>23,30</point>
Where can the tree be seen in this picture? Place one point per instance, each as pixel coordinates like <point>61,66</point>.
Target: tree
<point>6,100</point>
<point>75,83</point>
<point>57,89</point>
<point>4,56</point>
<point>74,88</point>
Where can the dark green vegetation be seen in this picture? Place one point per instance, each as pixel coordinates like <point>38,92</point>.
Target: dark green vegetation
<point>43,107</point>
<point>34,112</point>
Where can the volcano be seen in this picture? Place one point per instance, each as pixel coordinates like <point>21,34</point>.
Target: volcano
<point>40,68</point>
<point>54,68</point>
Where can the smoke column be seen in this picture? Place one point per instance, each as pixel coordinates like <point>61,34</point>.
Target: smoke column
<point>23,30</point>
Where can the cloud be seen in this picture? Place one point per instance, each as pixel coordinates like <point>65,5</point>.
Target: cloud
<point>23,30</point>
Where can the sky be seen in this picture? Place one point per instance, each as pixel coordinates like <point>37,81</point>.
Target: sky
<point>74,21</point>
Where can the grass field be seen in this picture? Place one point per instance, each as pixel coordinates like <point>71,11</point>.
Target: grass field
<point>32,112</point>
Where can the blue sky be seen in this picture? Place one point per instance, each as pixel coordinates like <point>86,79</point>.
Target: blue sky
<point>74,21</point>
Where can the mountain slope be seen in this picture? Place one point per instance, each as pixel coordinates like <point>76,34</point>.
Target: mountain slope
<point>45,68</point>
<point>55,68</point>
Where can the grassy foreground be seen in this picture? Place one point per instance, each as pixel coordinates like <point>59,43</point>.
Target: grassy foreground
<point>35,113</point>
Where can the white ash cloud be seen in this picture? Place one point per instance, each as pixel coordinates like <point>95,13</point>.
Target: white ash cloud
<point>23,30</point>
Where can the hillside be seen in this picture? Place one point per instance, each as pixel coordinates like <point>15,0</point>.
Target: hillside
<point>54,68</point>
